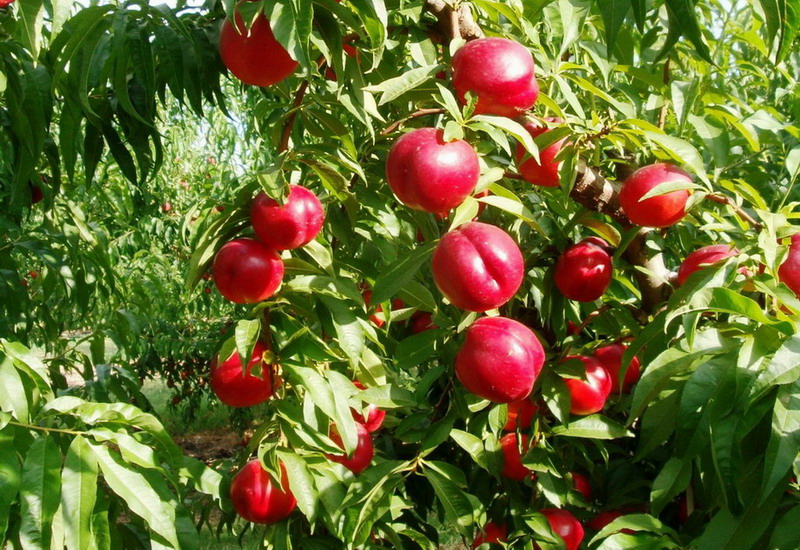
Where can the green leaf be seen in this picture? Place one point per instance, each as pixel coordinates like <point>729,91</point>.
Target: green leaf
<point>301,483</point>
<point>325,286</point>
<point>416,349</point>
<point>614,13</point>
<point>395,87</point>
<point>683,17</point>
<point>456,504</point>
<point>349,332</point>
<point>78,494</point>
<point>784,442</point>
<point>400,272</point>
<point>673,478</point>
<point>593,427</point>
<point>783,368</point>
<point>147,500</point>
<point>246,334</point>
<point>514,207</point>
<point>39,492</point>
<point>668,187</point>
<point>682,151</point>
<point>473,446</point>
<point>786,533</point>
<point>514,128</point>
<point>10,477</point>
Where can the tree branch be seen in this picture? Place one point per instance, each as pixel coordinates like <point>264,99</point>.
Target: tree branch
<point>723,199</point>
<point>454,23</point>
<point>288,124</point>
<point>598,194</point>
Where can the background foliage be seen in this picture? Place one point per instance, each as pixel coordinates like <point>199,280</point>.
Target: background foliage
<point>114,110</point>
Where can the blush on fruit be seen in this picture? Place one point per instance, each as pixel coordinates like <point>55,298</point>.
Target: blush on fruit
<point>611,359</point>
<point>789,271</point>
<point>238,389</point>
<point>583,272</point>
<point>257,498</point>
<point>500,359</point>
<point>565,526</point>
<point>246,271</point>
<point>291,225</point>
<point>428,174</point>
<point>375,416</point>
<point>545,172</point>
<point>421,321</point>
<point>589,396</point>
<point>512,457</point>
<point>520,415</point>
<point>500,72</point>
<point>491,533</point>
<point>478,266</point>
<point>254,56</point>
<point>659,211</point>
<point>704,257</point>
<point>361,457</point>
<point>582,484</point>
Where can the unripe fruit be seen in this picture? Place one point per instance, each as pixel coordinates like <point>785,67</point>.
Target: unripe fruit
<point>246,271</point>
<point>491,533</point>
<point>565,526</point>
<point>430,175</point>
<point>703,257</point>
<point>242,390</point>
<point>500,72</point>
<point>361,457</point>
<point>520,415</point>
<point>255,56</point>
<point>512,457</point>
<point>257,498</point>
<point>544,172</point>
<point>611,359</point>
<point>375,416</point>
<point>583,272</point>
<point>421,321</point>
<point>499,360</point>
<point>789,271</point>
<point>662,210</point>
<point>588,396</point>
<point>291,225</point>
<point>581,484</point>
<point>478,266</point>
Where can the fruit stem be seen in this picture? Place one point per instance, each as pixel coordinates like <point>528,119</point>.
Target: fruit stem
<point>416,114</point>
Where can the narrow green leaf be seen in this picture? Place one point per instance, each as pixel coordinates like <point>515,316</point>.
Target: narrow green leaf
<point>10,477</point>
<point>593,427</point>
<point>301,483</point>
<point>473,446</point>
<point>784,442</point>
<point>400,272</point>
<point>40,492</point>
<point>349,332</point>
<point>78,494</point>
<point>673,478</point>
<point>457,507</point>
<point>614,13</point>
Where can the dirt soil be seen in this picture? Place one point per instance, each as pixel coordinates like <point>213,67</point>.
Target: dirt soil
<point>210,445</point>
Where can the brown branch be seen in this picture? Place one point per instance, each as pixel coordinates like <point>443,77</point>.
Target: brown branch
<point>598,194</point>
<point>723,199</point>
<point>416,114</point>
<point>655,283</point>
<point>454,23</point>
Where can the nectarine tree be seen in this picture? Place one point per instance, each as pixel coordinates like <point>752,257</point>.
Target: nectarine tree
<point>519,273</point>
